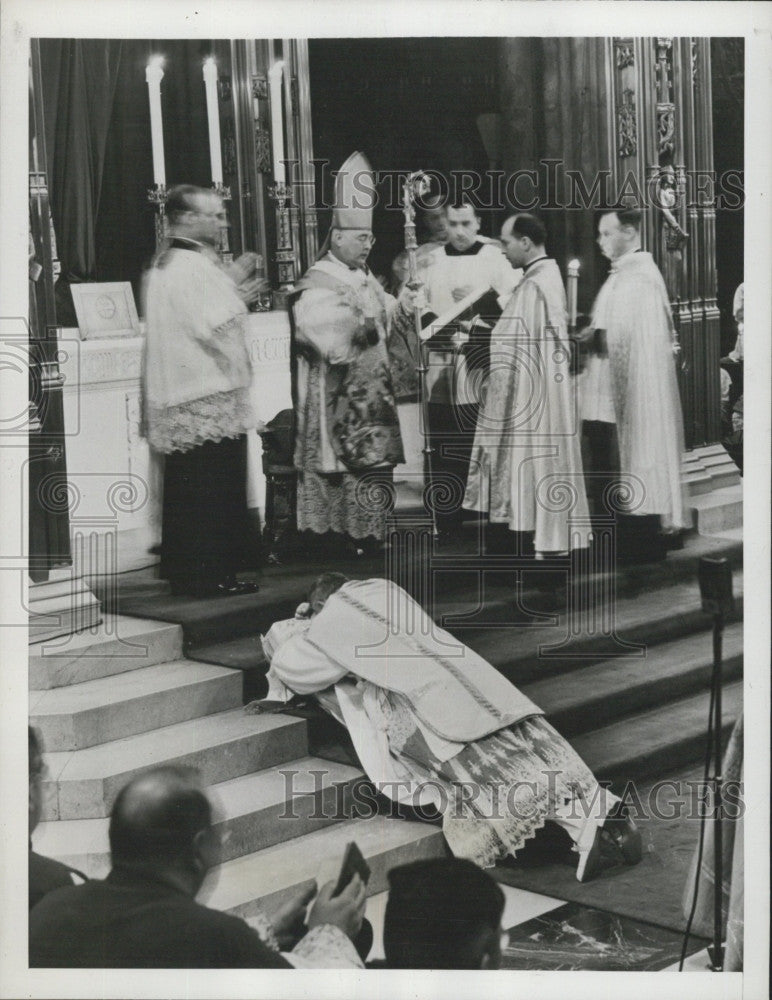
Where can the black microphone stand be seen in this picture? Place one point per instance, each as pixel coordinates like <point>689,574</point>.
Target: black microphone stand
<point>715,576</point>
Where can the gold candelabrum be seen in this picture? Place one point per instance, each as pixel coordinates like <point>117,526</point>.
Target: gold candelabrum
<point>157,197</point>
<point>223,244</point>
<point>284,255</point>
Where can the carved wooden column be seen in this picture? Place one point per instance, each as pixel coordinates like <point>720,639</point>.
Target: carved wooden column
<point>49,543</point>
<point>710,377</point>
<point>304,186</point>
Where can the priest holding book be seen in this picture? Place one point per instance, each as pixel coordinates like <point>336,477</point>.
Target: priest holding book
<point>466,263</point>
<point>526,466</point>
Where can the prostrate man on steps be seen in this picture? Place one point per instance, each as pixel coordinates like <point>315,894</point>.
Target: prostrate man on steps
<point>436,727</point>
<point>144,914</point>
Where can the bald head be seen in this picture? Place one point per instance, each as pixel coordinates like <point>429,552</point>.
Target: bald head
<point>156,819</point>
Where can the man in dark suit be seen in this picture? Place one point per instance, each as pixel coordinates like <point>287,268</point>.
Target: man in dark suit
<point>144,914</point>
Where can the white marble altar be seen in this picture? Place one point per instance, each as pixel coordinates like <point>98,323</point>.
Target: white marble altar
<point>114,479</point>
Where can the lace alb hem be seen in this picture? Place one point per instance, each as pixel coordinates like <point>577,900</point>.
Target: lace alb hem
<point>212,418</point>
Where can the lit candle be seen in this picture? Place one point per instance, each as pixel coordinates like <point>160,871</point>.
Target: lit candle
<point>213,117</point>
<point>573,288</point>
<point>277,121</point>
<point>153,76</point>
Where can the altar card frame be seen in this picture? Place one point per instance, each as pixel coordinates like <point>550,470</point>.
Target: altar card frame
<point>105,310</point>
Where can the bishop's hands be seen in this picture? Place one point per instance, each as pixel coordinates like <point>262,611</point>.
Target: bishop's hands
<point>411,297</point>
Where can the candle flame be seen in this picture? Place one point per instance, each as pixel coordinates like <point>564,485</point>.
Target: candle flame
<point>575,264</point>
<point>156,62</point>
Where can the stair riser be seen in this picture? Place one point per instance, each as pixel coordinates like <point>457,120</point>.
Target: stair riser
<point>602,711</point>
<point>139,715</point>
<point>58,668</point>
<point>587,650</point>
<point>432,846</point>
<point>284,821</point>
<point>235,624</point>
<point>245,834</point>
<point>666,758</point>
<point>714,520</point>
<point>90,799</point>
<point>61,623</point>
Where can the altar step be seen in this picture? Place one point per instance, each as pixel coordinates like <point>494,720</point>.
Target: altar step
<point>113,646</point>
<point>272,876</point>
<point>108,712</point>
<point>136,701</point>
<point>641,713</point>
<point>208,623</point>
<point>718,511</point>
<point>252,812</point>
<point>83,784</point>
<point>654,742</point>
<point>604,691</point>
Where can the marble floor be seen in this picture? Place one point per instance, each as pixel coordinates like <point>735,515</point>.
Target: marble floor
<point>550,934</point>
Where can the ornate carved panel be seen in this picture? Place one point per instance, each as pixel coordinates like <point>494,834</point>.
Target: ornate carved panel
<point>627,124</point>
<point>624,52</point>
<point>262,148</point>
<point>666,131</point>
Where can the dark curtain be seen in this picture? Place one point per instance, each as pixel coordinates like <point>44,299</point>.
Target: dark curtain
<point>98,136</point>
<point>125,233</point>
<point>79,81</point>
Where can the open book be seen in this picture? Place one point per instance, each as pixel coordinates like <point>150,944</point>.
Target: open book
<point>442,332</point>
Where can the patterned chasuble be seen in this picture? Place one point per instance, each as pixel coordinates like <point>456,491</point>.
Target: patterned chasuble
<point>341,330</point>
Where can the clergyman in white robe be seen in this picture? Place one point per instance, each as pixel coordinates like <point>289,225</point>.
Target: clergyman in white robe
<point>526,464</point>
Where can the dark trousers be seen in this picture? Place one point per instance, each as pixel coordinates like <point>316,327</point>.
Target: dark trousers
<point>451,436</point>
<point>206,534</point>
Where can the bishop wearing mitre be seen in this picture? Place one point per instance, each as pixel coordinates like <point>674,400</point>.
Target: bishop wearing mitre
<point>347,429</point>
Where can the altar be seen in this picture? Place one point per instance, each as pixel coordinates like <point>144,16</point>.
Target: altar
<point>115,481</point>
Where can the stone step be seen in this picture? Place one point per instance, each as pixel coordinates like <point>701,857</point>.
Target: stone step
<point>251,812</point>
<point>108,708</point>
<point>526,654</point>
<point>592,696</point>
<point>456,575</point>
<point>62,604</point>
<point>718,511</point>
<point>482,614</point>
<point>116,645</point>
<point>656,741</point>
<point>270,877</point>
<point>83,784</point>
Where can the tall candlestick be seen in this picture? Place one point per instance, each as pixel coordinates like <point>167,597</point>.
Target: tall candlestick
<point>153,76</point>
<point>213,117</point>
<point>277,121</point>
<point>573,289</point>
